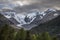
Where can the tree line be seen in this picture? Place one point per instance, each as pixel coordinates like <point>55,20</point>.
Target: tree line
<point>9,33</point>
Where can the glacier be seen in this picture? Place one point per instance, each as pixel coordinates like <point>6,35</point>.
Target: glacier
<point>20,19</point>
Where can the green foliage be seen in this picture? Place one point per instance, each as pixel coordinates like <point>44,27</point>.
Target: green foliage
<point>28,35</point>
<point>21,35</point>
<point>8,33</point>
<point>33,37</point>
<point>46,36</point>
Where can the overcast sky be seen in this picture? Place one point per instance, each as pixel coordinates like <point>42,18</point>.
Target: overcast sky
<point>35,4</point>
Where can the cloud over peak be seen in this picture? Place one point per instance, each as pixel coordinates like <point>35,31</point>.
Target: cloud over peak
<point>34,4</point>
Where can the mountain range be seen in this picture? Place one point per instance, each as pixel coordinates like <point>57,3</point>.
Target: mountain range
<point>31,19</point>
<point>34,20</point>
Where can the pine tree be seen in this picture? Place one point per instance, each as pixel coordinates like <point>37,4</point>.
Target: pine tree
<point>33,37</point>
<point>46,36</point>
<point>21,35</point>
<point>6,33</point>
<point>28,35</point>
<point>11,34</point>
<point>39,36</point>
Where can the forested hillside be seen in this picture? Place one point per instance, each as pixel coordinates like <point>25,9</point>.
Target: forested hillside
<point>39,33</point>
<point>9,33</point>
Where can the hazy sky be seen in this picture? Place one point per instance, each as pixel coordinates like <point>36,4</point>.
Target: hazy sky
<point>35,4</point>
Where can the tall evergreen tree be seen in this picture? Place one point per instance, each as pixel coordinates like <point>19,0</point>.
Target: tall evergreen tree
<point>39,36</point>
<point>46,36</point>
<point>21,35</point>
<point>28,35</point>
<point>34,37</point>
<point>7,33</point>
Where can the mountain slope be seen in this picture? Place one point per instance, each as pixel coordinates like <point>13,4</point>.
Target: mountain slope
<point>52,26</point>
<point>46,16</point>
<point>3,20</point>
<point>30,19</point>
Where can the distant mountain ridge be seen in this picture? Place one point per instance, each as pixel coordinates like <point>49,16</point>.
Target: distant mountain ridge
<point>29,20</point>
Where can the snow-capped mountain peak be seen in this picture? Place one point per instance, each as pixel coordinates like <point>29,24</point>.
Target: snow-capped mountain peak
<point>54,10</point>
<point>30,18</point>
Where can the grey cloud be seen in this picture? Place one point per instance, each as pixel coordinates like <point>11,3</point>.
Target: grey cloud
<point>41,5</point>
<point>31,7</point>
<point>38,4</point>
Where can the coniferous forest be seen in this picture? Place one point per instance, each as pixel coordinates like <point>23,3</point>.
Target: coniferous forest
<point>9,33</point>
